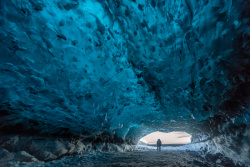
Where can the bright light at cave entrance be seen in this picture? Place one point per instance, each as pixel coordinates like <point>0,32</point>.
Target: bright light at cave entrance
<point>172,138</point>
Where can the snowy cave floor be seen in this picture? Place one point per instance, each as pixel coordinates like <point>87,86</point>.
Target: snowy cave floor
<point>134,158</point>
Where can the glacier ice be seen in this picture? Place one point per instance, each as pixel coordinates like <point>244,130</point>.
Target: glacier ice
<point>110,72</point>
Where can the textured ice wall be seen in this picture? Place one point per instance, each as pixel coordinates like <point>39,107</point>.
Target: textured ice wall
<point>121,69</point>
<point>64,69</point>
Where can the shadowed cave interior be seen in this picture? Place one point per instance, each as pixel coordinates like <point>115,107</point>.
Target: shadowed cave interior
<point>81,76</point>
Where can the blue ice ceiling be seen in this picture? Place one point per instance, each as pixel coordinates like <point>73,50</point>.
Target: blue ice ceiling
<point>124,68</point>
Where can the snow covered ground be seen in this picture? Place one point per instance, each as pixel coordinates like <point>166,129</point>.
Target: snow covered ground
<point>173,158</point>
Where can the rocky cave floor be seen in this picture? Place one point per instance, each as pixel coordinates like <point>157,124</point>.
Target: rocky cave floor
<point>171,158</point>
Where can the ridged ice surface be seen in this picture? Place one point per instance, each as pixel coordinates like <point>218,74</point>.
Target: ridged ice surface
<point>113,71</point>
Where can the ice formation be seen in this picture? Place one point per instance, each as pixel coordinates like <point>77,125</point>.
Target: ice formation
<point>108,72</point>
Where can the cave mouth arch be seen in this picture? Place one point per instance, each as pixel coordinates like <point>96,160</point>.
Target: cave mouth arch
<point>175,138</point>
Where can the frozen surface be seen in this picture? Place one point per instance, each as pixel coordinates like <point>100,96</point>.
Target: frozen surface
<point>112,71</point>
<point>126,65</point>
<point>137,158</point>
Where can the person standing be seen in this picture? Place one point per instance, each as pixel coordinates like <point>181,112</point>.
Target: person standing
<point>158,145</point>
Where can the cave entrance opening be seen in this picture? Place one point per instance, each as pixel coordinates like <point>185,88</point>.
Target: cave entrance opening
<point>176,138</point>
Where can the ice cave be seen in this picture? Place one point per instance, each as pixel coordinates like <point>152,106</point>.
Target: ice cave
<point>82,81</point>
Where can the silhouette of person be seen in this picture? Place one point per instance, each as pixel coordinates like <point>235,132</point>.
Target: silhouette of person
<point>158,145</point>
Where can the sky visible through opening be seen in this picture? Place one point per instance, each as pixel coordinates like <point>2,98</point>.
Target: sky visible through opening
<point>167,138</point>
